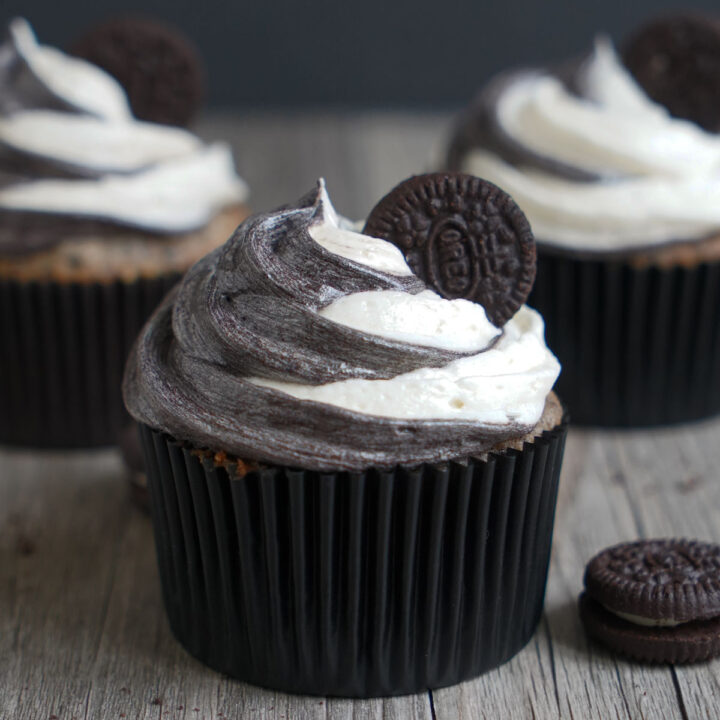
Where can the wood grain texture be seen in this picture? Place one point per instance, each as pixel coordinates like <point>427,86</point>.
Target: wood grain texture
<point>614,487</point>
<point>82,629</point>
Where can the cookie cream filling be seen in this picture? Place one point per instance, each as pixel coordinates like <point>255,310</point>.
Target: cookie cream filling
<point>114,167</point>
<point>645,622</point>
<point>657,177</point>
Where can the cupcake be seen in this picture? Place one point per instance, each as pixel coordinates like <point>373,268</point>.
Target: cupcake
<point>624,198</point>
<point>100,215</point>
<point>352,479</point>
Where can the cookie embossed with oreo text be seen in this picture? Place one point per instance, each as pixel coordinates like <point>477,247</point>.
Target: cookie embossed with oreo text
<point>655,600</point>
<point>464,236</point>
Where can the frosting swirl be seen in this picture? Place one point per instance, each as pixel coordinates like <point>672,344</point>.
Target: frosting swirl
<point>302,343</point>
<point>70,148</point>
<point>591,160</point>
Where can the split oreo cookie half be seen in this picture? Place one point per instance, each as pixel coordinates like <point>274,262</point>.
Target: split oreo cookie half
<point>159,67</point>
<point>676,60</point>
<point>655,600</point>
<point>464,236</point>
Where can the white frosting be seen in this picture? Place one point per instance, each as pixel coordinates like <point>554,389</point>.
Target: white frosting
<point>156,177</point>
<point>506,384</point>
<point>661,175</point>
<point>630,212</point>
<point>92,142</point>
<point>175,196</point>
<point>361,248</point>
<point>82,84</point>
<point>607,82</point>
<point>337,235</point>
<point>422,319</point>
<point>544,116</point>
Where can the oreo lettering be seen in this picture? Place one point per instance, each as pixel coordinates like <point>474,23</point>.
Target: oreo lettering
<point>464,236</point>
<point>451,262</point>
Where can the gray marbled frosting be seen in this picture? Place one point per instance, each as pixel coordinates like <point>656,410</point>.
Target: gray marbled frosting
<point>249,309</point>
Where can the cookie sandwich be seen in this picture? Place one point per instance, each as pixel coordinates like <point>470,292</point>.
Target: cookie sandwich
<point>655,601</point>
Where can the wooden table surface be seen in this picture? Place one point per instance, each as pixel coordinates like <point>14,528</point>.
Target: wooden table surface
<point>82,630</point>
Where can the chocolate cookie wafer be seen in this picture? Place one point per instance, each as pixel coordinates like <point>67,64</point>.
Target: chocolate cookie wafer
<point>655,600</point>
<point>157,65</point>
<point>676,59</point>
<point>462,235</point>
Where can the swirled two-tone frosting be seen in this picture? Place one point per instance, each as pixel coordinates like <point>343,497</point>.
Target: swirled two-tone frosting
<point>70,148</point>
<point>300,342</point>
<point>591,160</point>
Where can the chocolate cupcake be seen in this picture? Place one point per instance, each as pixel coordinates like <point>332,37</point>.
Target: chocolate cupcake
<point>624,200</point>
<point>352,479</point>
<point>100,215</point>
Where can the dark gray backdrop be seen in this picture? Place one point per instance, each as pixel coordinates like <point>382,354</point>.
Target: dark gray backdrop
<point>374,53</point>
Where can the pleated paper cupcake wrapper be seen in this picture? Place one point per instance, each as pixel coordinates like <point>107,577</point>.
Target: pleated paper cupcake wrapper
<point>62,352</point>
<point>379,583</point>
<point>638,347</point>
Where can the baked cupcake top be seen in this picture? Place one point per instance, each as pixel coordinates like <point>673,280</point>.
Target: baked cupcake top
<point>594,163</point>
<point>301,342</point>
<point>74,159</point>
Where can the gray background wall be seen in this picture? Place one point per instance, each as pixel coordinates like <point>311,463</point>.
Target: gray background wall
<point>372,53</point>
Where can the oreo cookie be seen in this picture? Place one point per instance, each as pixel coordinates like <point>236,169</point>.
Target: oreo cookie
<point>159,67</point>
<point>655,600</point>
<point>676,60</point>
<point>464,236</point>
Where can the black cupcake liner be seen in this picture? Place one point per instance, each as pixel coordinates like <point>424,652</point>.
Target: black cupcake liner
<point>354,584</point>
<point>62,352</point>
<point>638,346</point>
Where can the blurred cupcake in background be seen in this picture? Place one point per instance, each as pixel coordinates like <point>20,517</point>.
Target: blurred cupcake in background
<point>623,194</point>
<point>100,215</point>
